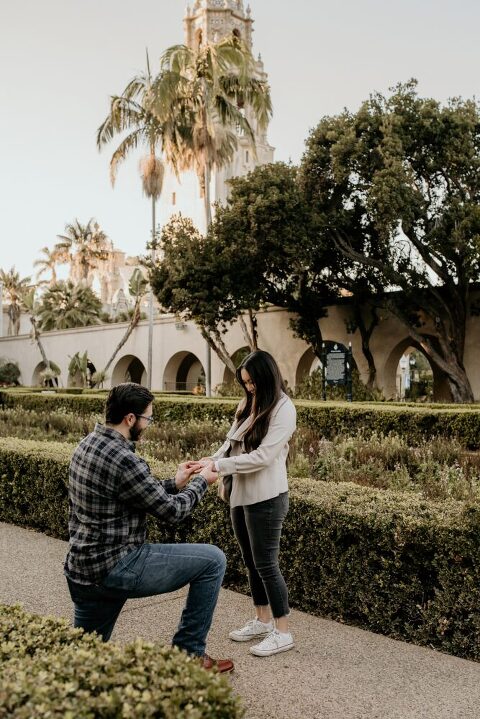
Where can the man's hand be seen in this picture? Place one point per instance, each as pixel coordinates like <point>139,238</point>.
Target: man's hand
<point>185,471</point>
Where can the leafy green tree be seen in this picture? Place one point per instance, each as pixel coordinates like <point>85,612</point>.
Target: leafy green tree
<point>14,288</point>
<point>191,282</point>
<point>66,305</point>
<point>9,373</point>
<point>203,97</point>
<point>83,246</point>
<point>396,188</point>
<point>257,252</point>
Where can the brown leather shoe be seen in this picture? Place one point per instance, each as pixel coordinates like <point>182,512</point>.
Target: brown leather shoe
<point>221,665</point>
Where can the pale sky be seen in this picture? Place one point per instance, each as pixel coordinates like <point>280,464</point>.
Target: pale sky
<point>60,60</point>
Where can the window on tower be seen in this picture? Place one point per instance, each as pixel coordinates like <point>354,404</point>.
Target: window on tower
<point>174,198</point>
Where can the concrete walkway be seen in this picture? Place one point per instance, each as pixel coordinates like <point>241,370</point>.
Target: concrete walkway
<point>335,672</point>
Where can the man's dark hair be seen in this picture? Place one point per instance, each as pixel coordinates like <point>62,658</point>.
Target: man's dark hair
<point>125,398</point>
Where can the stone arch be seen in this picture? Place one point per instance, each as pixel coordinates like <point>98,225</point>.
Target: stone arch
<point>36,378</point>
<point>183,373</point>
<point>237,357</point>
<point>309,362</point>
<point>441,391</point>
<point>129,369</point>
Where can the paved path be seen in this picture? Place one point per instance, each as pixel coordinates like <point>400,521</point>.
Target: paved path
<point>336,672</point>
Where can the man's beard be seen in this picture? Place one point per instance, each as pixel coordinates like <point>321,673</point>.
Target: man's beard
<point>135,432</point>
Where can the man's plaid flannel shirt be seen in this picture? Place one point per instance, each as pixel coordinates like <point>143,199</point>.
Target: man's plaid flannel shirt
<point>110,492</point>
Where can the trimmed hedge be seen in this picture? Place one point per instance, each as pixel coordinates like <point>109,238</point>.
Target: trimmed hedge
<point>49,669</point>
<point>327,418</point>
<point>390,562</point>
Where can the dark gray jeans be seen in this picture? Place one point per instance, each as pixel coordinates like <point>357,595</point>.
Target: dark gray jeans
<point>258,528</point>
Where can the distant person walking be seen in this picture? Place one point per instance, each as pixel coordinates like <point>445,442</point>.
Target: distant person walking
<point>253,462</point>
<point>110,492</point>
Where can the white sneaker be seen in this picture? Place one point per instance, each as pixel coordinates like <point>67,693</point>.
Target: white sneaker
<point>253,629</point>
<point>274,643</point>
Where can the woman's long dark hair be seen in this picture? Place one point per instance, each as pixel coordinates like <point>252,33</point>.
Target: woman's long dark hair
<point>269,385</point>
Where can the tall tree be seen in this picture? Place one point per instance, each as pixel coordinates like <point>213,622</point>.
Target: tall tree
<point>129,112</point>
<point>203,97</point>
<point>14,287</point>
<point>396,187</point>
<point>258,252</point>
<point>83,246</point>
<point>66,305</point>
<point>191,281</point>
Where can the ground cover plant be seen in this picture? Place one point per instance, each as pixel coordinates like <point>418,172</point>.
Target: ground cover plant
<point>49,669</point>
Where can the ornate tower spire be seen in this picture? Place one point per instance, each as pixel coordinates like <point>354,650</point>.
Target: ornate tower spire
<point>213,20</point>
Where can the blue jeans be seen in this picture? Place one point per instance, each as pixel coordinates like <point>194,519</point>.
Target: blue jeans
<point>156,569</point>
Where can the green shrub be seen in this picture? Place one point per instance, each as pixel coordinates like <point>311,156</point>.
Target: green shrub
<point>48,669</point>
<point>390,562</point>
<point>327,419</point>
<point>9,373</point>
<point>311,387</point>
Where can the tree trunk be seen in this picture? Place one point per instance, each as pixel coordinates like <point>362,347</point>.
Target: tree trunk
<point>133,323</point>
<point>36,337</point>
<point>446,359</point>
<point>214,340</point>
<point>366,334</point>
<point>250,335</point>
<point>150,307</point>
<point>308,328</point>
<point>206,198</point>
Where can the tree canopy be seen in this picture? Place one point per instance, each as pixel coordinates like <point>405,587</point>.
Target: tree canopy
<point>396,188</point>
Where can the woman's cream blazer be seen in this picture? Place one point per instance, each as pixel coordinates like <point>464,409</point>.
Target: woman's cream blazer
<point>262,473</point>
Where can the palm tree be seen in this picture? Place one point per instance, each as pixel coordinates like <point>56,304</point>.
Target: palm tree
<point>31,307</point>
<point>137,287</point>
<point>129,112</point>
<point>48,263</point>
<point>66,305</point>
<point>83,246</point>
<point>14,288</point>
<point>202,97</point>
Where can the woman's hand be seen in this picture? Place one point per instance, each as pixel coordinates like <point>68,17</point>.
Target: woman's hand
<point>209,473</point>
<point>204,461</point>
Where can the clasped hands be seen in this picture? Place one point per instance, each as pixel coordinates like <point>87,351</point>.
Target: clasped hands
<point>203,466</point>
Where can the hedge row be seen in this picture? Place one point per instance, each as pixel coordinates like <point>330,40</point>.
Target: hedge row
<point>49,669</point>
<point>327,418</point>
<point>389,562</point>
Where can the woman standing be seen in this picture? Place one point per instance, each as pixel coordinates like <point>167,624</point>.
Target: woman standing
<point>255,454</point>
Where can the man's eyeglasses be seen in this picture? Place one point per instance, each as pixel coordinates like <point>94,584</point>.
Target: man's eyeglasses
<point>143,416</point>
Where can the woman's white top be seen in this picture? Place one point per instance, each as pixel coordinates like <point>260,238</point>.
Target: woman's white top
<point>262,473</point>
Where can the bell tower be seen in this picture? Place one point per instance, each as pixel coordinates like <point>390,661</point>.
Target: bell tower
<point>213,20</point>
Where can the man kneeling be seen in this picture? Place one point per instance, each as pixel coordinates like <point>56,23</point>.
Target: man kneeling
<point>110,492</point>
